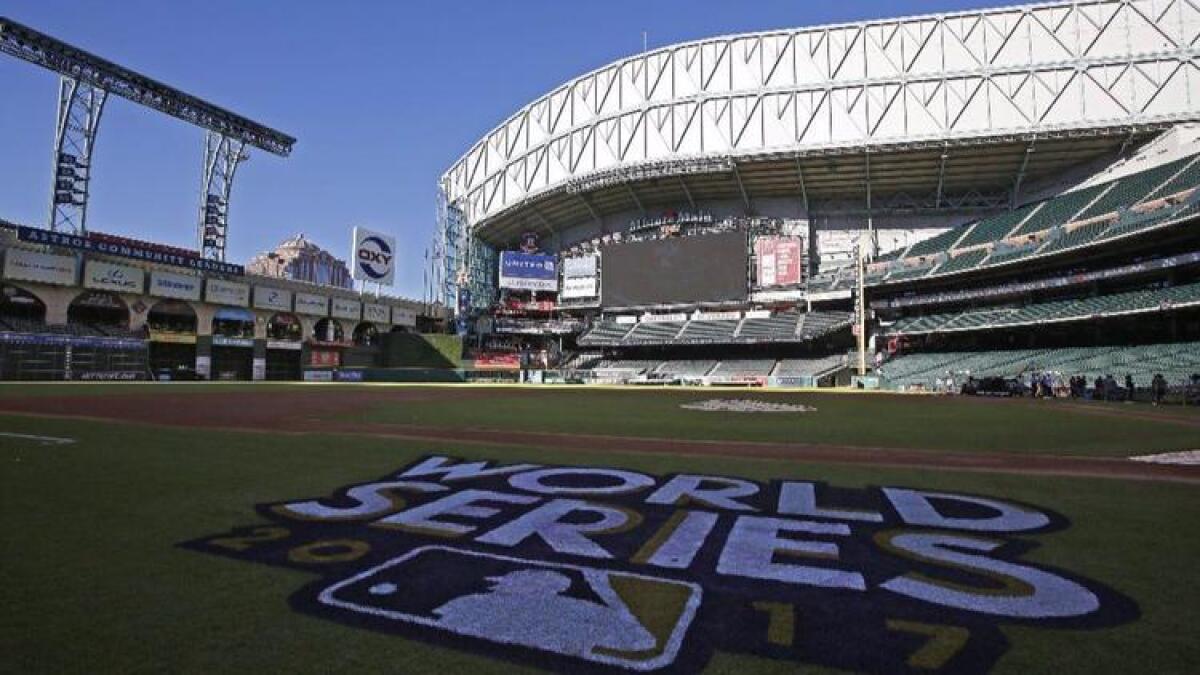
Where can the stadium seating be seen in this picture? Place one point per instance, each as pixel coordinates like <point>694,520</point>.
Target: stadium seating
<point>708,331</point>
<point>686,368</point>
<point>1060,210</point>
<point>653,332</point>
<point>786,326</point>
<point>1188,178</point>
<point>962,261</point>
<point>1176,361</point>
<point>934,244</point>
<point>605,333</point>
<point>992,229</point>
<point>815,325</point>
<point>1149,300</point>
<point>781,325</point>
<point>808,367</point>
<point>1131,189</point>
<point>744,368</point>
<point>1091,214</point>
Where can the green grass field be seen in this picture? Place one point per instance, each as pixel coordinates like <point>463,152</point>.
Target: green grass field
<point>95,579</point>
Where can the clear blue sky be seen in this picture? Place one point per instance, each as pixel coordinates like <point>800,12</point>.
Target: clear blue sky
<point>383,97</point>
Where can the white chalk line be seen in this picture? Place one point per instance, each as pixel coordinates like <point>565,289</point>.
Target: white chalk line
<point>44,440</point>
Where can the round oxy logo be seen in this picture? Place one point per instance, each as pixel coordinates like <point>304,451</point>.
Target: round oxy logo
<point>374,257</point>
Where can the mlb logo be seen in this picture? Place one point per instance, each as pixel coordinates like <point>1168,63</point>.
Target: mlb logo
<point>608,617</point>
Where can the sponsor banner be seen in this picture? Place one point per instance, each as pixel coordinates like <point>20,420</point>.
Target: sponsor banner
<point>656,318</point>
<point>108,375</point>
<point>45,268</point>
<point>266,297</point>
<point>178,286</point>
<point>830,295</point>
<point>165,337</point>
<point>790,381</point>
<point>203,367</point>
<point>746,380</point>
<point>341,308</point>
<point>224,341</point>
<point>108,276</point>
<point>580,287</point>
<point>376,313</point>
<point>582,266</point>
<point>51,340</point>
<point>779,260</point>
<point>258,369</point>
<point>128,248</point>
<point>781,296</point>
<point>717,316</point>
<point>348,376</point>
<point>284,344</point>
<point>318,376</point>
<point>226,293</point>
<point>599,569</point>
<point>626,319</point>
<point>403,316</point>
<point>682,217</point>
<point>758,314</point>
<point>528,272</point>
<point>374,256</point>
<point>312,305</point>
<point>325,358</point>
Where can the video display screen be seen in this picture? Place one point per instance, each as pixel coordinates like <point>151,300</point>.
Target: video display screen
<point>701,268</point>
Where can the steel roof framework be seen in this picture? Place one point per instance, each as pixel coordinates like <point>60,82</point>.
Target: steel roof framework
<point>86,80</point>
<point>1107,68</point>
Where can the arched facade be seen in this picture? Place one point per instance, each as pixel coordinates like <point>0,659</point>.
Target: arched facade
<point>99,312</point>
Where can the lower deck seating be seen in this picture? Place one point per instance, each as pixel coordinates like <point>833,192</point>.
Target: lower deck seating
<point>808,367</point>
<point>686,368</point>
<point>744,368</point>
<point>1176,361</point>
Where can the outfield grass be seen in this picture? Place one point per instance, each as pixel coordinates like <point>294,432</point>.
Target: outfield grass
<point>94,579</point>
<point>960,424</point>
<point>875,420</point>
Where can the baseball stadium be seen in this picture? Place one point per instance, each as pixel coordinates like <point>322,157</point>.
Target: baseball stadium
<point>857,348</point>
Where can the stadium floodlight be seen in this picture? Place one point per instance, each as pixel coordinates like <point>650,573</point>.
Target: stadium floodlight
<point>86,82</point>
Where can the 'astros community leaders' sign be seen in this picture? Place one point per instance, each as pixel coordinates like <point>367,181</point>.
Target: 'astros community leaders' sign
<point>581,568</point>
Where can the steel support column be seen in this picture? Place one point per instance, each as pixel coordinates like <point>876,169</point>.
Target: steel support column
<point>79,107</point>
<point>1016,189</point>
<point>222,154</point>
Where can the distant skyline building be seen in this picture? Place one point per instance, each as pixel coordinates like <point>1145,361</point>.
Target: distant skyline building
<point>299,259</point>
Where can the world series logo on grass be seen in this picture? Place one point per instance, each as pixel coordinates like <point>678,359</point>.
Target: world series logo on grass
<point>581,568</point>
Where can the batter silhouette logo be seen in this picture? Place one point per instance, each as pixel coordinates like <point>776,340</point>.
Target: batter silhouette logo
<point>585,569</point>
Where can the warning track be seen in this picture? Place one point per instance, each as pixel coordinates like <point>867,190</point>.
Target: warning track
<point>301,412</point>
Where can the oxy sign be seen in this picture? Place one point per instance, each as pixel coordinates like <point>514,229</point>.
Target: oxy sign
<point>374,255</point>
<point>579,569</point>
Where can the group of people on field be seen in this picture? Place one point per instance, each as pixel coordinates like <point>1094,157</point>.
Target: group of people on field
<point>1104,388</point>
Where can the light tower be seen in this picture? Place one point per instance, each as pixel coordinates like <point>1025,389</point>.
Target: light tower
<point>86,81</point>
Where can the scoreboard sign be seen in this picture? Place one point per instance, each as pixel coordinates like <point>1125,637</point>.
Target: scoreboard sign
<point>779,260</point>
